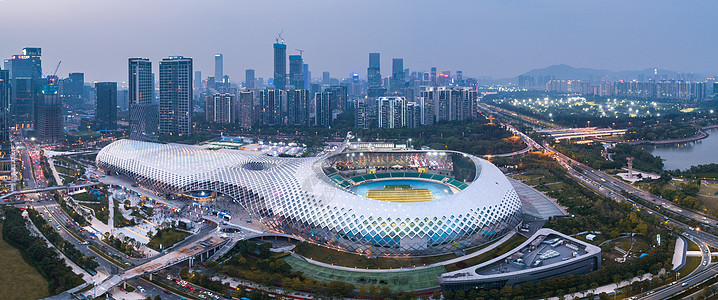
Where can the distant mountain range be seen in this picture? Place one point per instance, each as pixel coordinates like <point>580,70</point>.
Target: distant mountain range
<point>569,72</point>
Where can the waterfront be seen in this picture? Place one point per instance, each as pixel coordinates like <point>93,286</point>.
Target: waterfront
<point>684,155</point>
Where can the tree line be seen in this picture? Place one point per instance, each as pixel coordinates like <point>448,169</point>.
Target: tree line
<point>59,276</point>
<point>68,248</point>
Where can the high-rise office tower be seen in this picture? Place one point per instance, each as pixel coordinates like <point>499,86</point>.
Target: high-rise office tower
<point>272,112</point>
<point>298,107</point>
<point>459,78</point>
<point>176,95</point>
<point>5,121</point>
<point>280,66</point>
<point>444,78</point>
<point>197,80</point>
<point>123,100</point>
<point>392,112</point>
<point>397,75</point>
<point>211,82</point>
<point>48,128</point>
<point>296,66</point>
<point>249,81</point>
<point>374,88</point>
<point>26,82</point>
<point>374,71</point>
<point>326,78</point>
<point>73,88</point>
<point>106,111</point>
<point>218,67</point>
<point>5,117</point>
<point>144,113</point>
<point>220,108</point>
<point>245,107</point>
<point>307,76</point>
<point>322,109</point>
<point>355,86</point>
<point>433,76</point>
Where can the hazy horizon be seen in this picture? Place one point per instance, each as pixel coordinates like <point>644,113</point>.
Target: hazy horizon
<point>498,39</point>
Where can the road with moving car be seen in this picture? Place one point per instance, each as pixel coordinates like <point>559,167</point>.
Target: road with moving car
<point>613,188</point>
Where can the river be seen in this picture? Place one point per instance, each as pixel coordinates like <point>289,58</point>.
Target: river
<point>684,155</point>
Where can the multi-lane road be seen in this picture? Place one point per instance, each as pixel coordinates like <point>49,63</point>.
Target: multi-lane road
<point>614,188</point>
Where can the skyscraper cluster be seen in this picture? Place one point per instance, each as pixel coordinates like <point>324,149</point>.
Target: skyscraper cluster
<point>163,103</point>
<point>413,98</point>
<point>290,98</point>
<point>26,82</point>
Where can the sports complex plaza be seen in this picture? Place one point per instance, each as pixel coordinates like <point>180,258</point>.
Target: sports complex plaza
<point>369,202</point>
<point>399,203</point>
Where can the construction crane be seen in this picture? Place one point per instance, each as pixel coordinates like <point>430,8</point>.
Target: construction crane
<point>279,37</point>
<point>301,52</point>
<point>56,68</point>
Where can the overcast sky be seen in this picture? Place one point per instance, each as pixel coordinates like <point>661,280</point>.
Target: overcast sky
<point>501,38</point>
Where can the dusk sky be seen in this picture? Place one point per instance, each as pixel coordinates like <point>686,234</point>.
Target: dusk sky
<point>501,38</point>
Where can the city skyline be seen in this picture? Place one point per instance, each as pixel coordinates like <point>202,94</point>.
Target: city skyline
<point>499,40</point>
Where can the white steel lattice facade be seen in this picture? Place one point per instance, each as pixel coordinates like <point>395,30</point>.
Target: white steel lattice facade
<point>295,196</point>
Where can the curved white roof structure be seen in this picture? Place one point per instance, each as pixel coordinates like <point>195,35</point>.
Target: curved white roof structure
<point>295,195</point>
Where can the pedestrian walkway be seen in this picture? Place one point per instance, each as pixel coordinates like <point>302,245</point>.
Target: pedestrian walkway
<point>536,203</point>
<point>608,288</point>
<point>679,254</point>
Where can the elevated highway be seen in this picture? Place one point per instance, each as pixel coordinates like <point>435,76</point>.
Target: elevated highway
<point>68,188</point>
<point>197,250</point>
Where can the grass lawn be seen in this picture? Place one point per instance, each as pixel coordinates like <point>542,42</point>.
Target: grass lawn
<point>67,171</point>
<point>692,246</point>
<point>692,262</point>
<point>101,211</point>
<point>18,279</point>
<point>85,197</point>
<point>167,238</point>
<point>351,260</point>
<point>708,195</point>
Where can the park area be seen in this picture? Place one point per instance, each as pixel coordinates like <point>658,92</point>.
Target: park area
<point>18,279</point>
<point>166,238</point>
<point>708,194</point>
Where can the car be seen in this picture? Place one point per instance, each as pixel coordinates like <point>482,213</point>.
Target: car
<point>684,284</point>
<point>139,288</point>
<point>705,262</point>
<point>166,292</point>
